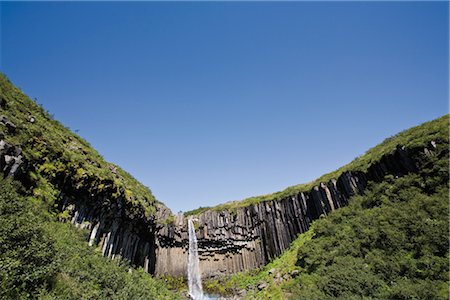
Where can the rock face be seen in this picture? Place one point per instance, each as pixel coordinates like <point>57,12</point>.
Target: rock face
<point>11,128</point>
<point>251,236</point>
<point>115,227</point>
<point>118,233</point>
<point>10,159</point>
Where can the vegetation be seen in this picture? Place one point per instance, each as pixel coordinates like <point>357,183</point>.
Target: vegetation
<point>57,156</point>
<point>42,258</point>
<point>197,210</point>
<point>415,137</point>
<point>390,243</point>
<point>26,250</point>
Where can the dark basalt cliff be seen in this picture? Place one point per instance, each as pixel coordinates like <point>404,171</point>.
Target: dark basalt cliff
<point>251,236</point>
<point>114,230</point>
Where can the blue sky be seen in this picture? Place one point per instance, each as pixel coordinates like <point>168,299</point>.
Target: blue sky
<point>211,102</point>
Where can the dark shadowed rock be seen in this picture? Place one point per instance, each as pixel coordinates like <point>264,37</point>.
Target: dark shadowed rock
<point>9,125</point>
<point>294,273</point>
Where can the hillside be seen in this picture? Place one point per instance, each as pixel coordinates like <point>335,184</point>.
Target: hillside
<point>391,242</point>
<point>51,175</point>
<point>75,183</point>
<point>246,235</point>
<point>415,137</point>
<point>55,156</point>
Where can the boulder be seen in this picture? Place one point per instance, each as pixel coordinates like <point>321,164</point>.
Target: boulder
<point>9,125</point>
<point>261,285</point>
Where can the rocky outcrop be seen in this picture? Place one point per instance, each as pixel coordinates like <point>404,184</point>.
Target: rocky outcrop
<point>249,237</point>
<point>113,229</point>
<point>10,127</point>
<point>10,159</point>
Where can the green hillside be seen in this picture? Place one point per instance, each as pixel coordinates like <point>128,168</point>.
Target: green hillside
<point>40,257</point>
<point>415,137</point>
<point>390,243</point>
<point>58,156</point>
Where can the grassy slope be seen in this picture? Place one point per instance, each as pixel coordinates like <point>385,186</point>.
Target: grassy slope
<point>45,259</point>
<point>41,257</point>
<point>390,243</point>
<point>418,136</point>
<point>55,152</point>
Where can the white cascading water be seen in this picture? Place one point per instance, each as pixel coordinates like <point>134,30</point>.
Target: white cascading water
<point>194,278</point>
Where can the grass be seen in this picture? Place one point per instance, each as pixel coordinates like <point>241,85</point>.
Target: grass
<point>389,243</point>
<point>58,157</point>
<point>45,259</point>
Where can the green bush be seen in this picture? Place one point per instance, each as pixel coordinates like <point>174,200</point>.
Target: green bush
<point>27,251</point>
<point>389,243</point>
<point>385,244</point>
<point>42,258</point>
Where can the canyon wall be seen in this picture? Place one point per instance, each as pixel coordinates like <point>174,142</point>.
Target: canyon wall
<point>113,229</point>
<point>230,240</point>
<point>83,189</point>
<point>249,237</point>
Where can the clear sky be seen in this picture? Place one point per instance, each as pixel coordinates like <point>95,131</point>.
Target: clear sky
<point>211,102</point>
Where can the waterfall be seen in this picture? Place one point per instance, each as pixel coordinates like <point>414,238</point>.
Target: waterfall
<point>194,278</point>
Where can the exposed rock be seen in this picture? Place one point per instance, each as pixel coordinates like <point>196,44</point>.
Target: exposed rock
<point>294,273</point>
<point>251,236</point>
<point>31,119</point>
<point>10,159</point>
<point>261,286</point>
<point>2,102</point>
<point>116,231</point>
<point>9,125</point>
<point>113,169</point>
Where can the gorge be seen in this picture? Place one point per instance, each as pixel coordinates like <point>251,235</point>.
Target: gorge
<point>243,238</point>
<point>124,221</point>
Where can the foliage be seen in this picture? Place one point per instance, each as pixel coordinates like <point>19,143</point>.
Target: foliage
<point>390,243</point>
<point>26,249</point>
<point>177,283</point>
<point>381,251</point>
<point>57,157</point>
<point>88,275</point>
<point>196,211</point>
<point>42,258</point>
